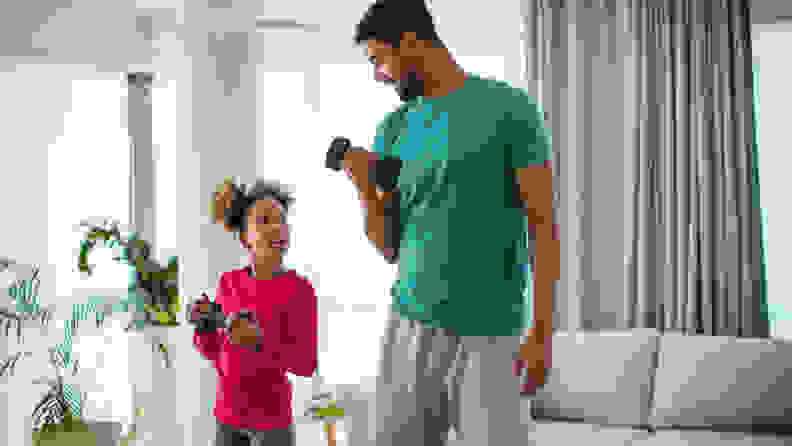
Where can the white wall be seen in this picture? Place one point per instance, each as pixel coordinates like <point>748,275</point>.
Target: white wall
<point>770,44</point>
<point>35,101</point>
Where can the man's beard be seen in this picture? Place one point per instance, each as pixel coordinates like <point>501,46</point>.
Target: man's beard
<point>410,87</point>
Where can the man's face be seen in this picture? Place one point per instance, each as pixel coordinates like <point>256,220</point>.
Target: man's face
<point>397,67</point>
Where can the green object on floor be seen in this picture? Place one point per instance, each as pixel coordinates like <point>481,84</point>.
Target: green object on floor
<point>74,432</point>
<point>67,438</point>
<point>71,432</point>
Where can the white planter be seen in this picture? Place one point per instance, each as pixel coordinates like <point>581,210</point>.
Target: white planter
<point>104,371</point>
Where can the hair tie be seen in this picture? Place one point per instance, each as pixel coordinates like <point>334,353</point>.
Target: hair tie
<point>236,211</point>
<point>222,205</point>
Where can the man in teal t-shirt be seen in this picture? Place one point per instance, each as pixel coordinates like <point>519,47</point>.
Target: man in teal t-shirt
<point>475,163</point>
<point>464,235</point>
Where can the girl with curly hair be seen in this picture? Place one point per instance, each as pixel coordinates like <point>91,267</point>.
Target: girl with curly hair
<point>272,321</point>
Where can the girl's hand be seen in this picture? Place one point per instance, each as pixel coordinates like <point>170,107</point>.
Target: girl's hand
<point>199,307</point>
<point>243,329</point>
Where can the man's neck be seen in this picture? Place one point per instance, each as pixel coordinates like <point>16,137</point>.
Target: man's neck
<point>443,75</point>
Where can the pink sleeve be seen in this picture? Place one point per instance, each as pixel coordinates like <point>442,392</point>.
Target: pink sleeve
<point>209,344</point>
<point>299,351</point>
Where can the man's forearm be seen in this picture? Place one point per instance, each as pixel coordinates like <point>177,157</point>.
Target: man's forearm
<point>543,307</point>
<point>375,217</point>
<point>546,273</point>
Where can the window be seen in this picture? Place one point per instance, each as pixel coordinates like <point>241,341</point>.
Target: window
<point>772,97</point>
<point>88,172</point>
<point>351,105</point>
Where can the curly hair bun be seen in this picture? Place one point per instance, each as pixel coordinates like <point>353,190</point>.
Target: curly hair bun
<point>222,203</point>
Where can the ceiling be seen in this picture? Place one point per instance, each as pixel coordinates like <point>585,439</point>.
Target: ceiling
<point>66,29</point>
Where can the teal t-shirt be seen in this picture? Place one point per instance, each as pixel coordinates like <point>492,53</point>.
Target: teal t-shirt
<point>463,246</point>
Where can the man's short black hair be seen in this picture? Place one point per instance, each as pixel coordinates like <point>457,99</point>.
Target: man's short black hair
<point>386,21</point>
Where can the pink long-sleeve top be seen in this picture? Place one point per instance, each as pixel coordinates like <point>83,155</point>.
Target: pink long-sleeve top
<point>253,391</point>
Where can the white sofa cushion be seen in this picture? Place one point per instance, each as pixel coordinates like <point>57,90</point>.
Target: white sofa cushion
<point>725,382</point>
<point>599,377</point>
<point>544,433</point>
<point>704,438</point>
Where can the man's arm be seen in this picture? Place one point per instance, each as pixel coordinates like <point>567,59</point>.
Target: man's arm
<point>536,193</point>
<point>382,224</point>
<point>380,207</point>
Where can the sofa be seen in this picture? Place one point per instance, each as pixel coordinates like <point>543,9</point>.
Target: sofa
<point>643,388</point>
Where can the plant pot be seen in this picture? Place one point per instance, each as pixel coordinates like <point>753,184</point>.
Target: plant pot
<point>80,433</point>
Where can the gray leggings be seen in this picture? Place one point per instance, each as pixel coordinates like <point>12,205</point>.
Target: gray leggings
<point>232,436</point>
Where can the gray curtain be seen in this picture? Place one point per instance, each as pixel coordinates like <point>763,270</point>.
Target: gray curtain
<point>650,107</point>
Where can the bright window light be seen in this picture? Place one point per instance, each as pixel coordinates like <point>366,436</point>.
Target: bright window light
<point>88,176</point>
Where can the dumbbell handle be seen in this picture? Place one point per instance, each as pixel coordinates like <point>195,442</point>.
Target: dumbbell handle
<point>335,156</point>
<point>353,149</point>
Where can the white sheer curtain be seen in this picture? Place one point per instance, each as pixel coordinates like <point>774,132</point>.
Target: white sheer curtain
<point>88,176</point>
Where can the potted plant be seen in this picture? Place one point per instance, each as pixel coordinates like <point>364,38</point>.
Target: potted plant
<point>157,284</point>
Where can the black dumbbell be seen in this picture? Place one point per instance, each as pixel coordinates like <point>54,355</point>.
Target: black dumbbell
<point>386,170</point>
<point>210,317</point>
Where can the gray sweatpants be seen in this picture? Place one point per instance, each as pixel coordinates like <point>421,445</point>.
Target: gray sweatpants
<point>232,436</point>
<point>431,380</point>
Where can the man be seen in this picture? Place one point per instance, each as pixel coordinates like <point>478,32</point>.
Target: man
<point>475,163</point>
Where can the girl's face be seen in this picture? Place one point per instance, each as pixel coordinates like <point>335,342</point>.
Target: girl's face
<point>267,235</point>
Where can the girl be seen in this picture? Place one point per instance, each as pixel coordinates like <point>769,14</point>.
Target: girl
<point>253,355</point>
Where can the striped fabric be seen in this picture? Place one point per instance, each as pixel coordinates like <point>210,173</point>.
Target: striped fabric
<point>82,313</point>
<point>26,294</point>
<point>27,298</point>
<point>27,301</point>
<point>50,410</point>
